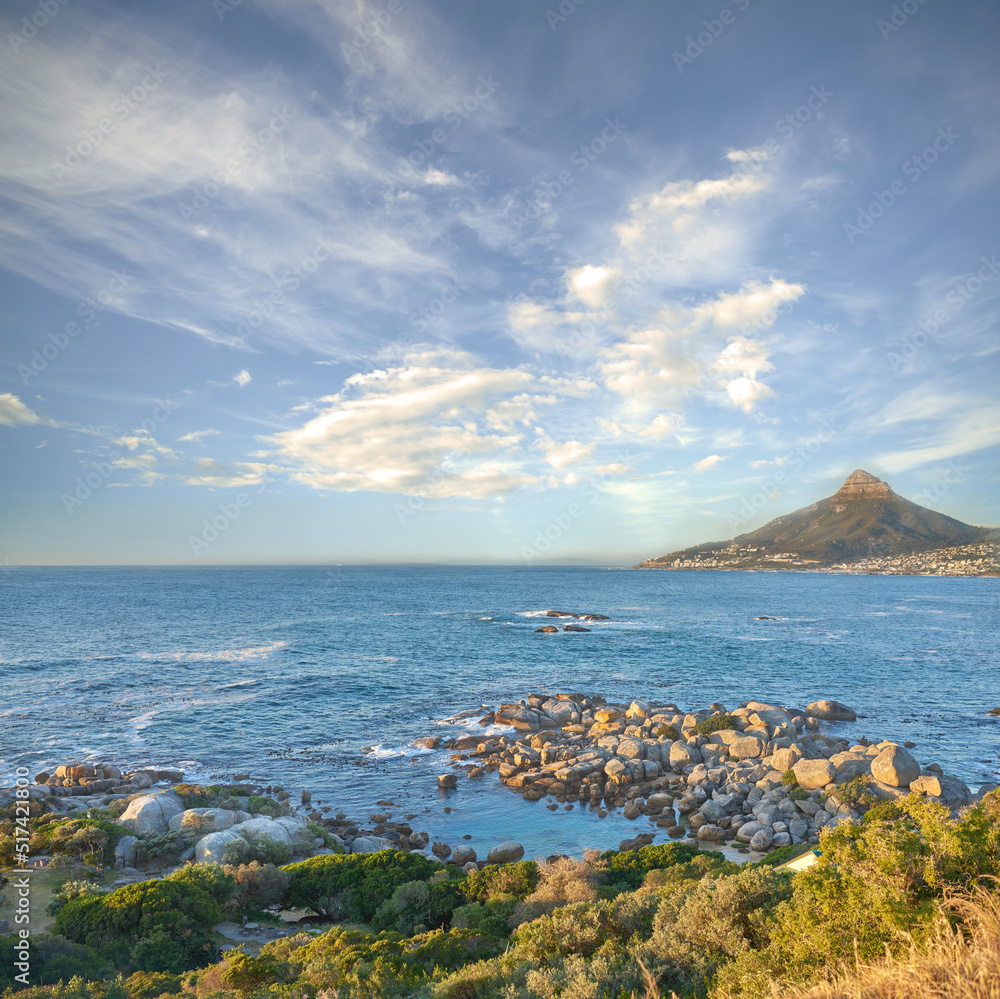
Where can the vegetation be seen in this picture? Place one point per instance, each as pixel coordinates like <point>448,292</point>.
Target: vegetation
<point>666,732</point>
<point>903,903</point>
<point>717,723</point>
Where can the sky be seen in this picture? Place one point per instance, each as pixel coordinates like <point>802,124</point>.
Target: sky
<point>409,280</point>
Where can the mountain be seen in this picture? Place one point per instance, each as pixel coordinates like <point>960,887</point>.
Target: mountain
<point>863,519</point>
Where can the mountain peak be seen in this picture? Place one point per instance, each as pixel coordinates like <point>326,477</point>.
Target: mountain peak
<point>863,485</point>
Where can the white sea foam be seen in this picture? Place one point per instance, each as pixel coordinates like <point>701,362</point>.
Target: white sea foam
<point>381,752</point>
<point>222,655</point>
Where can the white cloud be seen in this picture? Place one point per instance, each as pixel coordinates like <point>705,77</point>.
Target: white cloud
<point>243,378</point>
<point>437,424</point>
<point>209,472</point>
<point>592,285</point>
<point>197,436</point>
<point>710,462</point>
<point>14,413</point>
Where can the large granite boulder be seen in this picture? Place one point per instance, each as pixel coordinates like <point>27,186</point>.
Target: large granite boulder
<point>370,844</point>
<point>811,774</point>
<point>505,853</point>
<point>682,755</point>
<point>521,718</point>
<point>150,813</point>
<point>748,747</point>
<point>263,828</point>
<point>211,849</point>
<point>785,758</point>
<point>631,749</point>
<point>200,822</point>
<point>125,851</point>
<point>944,790</point>
<point>298,831</point>
<point>831,711</point>
<point>895,766</point>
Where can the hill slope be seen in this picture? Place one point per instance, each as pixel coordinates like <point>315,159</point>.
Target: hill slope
<point>864,518</point>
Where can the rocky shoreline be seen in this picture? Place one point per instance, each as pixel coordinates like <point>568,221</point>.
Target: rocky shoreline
<point>755,778</point>
<point>761,776</point>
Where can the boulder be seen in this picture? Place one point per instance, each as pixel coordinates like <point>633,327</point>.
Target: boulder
<point>831,711</point>
<point>200,822</point>
<point>950,791</point>
<point>521,718</point>
<point>463,855</point>
<point>263,828</point>
<point>747,747</point>
<point>505,853</point>
<point>549,629</point>
<point>638,711</point>
<point>298,832</point>
<point>631,749</point>
<point>682,755</point>
<point>607,716</point>
<point>211,849</point>
<point>785,759</point>
<point>711,833</point>
<point>150,814</point>
<point>614,767</point>
<point>441,850</point>
<point>748,830</point>
<point>762,839</point>
<point>371,844</point>
<point>895,766</point>
<point>447,780</point>
<point>712,811</point>
<point>125,851</point>
<point>814,773</point>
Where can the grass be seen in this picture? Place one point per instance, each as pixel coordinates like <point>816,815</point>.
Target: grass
<point>43,887</point>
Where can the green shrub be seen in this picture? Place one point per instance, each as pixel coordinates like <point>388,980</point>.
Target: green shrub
<point>630,867</point>
<point>798,793</point>
<point>53,958</point>
<point>266,806</point>
<point>81,837</point>
<point>152,984</point>
<point>353,885</point>
<point>257,887</point>
<point>716,723</point>
<point>500,882</point>
<point>245,973</point>
<point>170,919</point>
<point>666,732</point>
<point>69,890</point>
<point>212,879</point>
<point>856,794</point>
<point>195,796</point>
<point>788,779</point>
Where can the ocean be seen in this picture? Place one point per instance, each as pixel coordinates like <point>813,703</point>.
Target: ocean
<point>321,677</point>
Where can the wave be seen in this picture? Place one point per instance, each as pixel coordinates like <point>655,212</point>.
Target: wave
<point>381,752</point>
<point>222,655</point>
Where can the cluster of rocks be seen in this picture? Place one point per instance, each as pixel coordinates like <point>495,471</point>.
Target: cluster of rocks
<point>728,784</point>
<point>550,629</point>
<point>85,779</point>
<point>203,834</point>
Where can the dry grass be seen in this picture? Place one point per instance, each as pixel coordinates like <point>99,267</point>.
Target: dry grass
<point>950,965</point>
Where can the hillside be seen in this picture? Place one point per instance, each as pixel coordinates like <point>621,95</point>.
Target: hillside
<point>864,520</point>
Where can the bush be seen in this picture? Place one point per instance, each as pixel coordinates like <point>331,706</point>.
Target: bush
<point>501,882</point>
<point>630,867</point>
<point>69,890</point>
<point>96,838</point>
<point>245,973</point>
<point>257,887</point>
<point>353,885</point>
<point>212,879</point>
<point>788,779</point>
<point>798,793</point>
<point>53,958</point>
<point>716,723</point>
<point>154,925</point>
<point>667,732</point>
<point>266,806</point>
<point>408,907</point>
<point>152,984</point>
<point>561,883</point>
<point>261,851</point>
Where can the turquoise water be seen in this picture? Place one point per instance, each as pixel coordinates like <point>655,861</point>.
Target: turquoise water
<point>291,674</point>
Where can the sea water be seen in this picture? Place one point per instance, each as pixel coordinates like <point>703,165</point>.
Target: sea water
<point>320,678</point>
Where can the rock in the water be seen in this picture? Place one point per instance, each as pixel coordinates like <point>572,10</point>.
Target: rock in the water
<point>549,629</point>
<point>441,850</point>
<point>505,853</point>
<point>574,627</point>
<point>518,717</point>
<point>711,833</point>
<point>447,780</point>
<point>895,766</point>
<point>814,773</point>
<point>463,855</point>
<point>831,711</point>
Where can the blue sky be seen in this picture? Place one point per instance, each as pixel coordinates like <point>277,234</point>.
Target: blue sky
<point>413,280</point>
